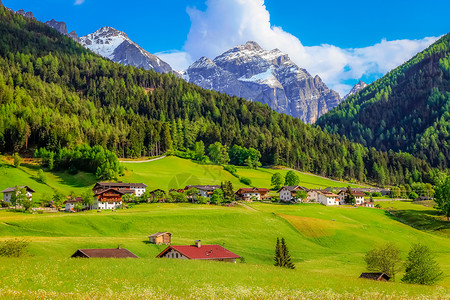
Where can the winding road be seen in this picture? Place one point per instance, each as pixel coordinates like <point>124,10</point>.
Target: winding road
<point>141,161</point>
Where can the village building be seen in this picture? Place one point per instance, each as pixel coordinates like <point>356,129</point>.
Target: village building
<point>313,195</point>
<point>199,251</point>
<point>249,194</point>
<point>104,253</point>
<point>7,193</point>
<point>108,199</point>
<point>69,204</point>
<point>288,193</point>
<point>369,204</point>
<point>138,189</point>
<point>204,190</point>
<point>328,198</point>
<point>375,276</point>
<point>359,197</point>
<point>160,238</point>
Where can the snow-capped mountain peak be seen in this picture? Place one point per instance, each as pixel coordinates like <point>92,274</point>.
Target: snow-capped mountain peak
<point>117,46</point>
<point>356,88</point>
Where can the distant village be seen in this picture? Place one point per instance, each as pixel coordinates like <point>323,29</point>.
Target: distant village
<point>115,195</point>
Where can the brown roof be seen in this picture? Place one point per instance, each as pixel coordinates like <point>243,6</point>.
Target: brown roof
<point>12,189</point>
<point>104,253</point>
<point>75,200</point>
<point>203,187</point>
<point>328,194</point>
<point>255,189</point>
<point>119,185</point>
<point>354,192</point>
<point>375,276</point>
<point>159,233</point>
<point>292,188</point>
<point>119,191</point>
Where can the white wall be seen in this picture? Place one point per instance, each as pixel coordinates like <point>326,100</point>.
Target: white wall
<point>174,254</point>
<point>285,195</point>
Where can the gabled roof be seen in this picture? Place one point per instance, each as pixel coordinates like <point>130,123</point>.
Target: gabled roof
<point>75,200</point>
<point>159,233</point>
<point>254,189</point>
<point>104,253</point>
<point>328,194</point>
<point>203,187</point>
<point>354,192</point>
<point>292,188</point>
<point>375,276</point>
<point>111,189</point>
<point>12,189</point>
<point>119,185</point>
<point>204,252</point>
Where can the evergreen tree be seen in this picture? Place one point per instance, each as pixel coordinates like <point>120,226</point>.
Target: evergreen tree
<point>227,188</point>
<point>277,257</point>
<point>349,198</point>
<point>287,263</point>
<point>442,197</point>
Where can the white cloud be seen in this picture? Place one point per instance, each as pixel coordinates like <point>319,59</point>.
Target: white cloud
<point>78,2</point>
<point>178,60</point>
<point>227,23</point>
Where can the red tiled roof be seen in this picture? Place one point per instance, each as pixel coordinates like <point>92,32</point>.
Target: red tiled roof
<point>204,252</point>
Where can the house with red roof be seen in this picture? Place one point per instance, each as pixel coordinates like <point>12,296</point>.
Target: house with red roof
<point>249,194</point>
<point>199,251</point>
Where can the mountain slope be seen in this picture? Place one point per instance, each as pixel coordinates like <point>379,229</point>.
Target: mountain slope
<point>54,93</point>
<point>408,109</point>
<point>117,46</point>
<point>269,77</point>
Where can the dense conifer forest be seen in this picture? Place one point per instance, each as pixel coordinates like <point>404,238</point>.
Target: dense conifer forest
<point>56,94</point>
<point>406,110</point>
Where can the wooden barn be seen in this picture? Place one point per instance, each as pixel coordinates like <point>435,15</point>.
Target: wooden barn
<point>104,253</point>
<point>160,238</point>
<point>375,276</point>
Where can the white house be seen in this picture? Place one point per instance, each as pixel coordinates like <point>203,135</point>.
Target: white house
<point>248,194</point>
<point>137,188</point>
<point>108,199</point>
<point>359,197</point>
<point>313,196</point>
<point>69,205</point>
<point>328,198</point>
<point>288,193</point>
<point>204,190</point>
<point>7,193</point>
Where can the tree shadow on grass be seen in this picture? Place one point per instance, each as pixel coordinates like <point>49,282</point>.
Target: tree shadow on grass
<point>425,220</point>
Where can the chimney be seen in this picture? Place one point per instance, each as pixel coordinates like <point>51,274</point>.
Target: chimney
<point>198,243</point>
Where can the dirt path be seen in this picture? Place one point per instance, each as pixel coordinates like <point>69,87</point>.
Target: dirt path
<point>246,206</point>
<point>142,161</point>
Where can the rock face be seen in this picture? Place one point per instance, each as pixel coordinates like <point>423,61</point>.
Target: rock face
<point>117,46</point>
<point>356,88</point>
<point>269,77</point>
<point>62,28</point>
<point>27,14</point>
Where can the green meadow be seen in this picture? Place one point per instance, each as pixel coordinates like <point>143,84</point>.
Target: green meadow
<point>167,173</point>
<point>327,245</point>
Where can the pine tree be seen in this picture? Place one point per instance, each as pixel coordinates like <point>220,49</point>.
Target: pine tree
<point>277,257</point>
<point>287,263</point>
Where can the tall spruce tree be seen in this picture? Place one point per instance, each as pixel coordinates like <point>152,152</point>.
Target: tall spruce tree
<point>282,257</point>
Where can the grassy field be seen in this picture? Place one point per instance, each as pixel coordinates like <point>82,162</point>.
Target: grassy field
<point>327,245</point>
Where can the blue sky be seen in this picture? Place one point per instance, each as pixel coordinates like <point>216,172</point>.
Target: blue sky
<point>342,41</point>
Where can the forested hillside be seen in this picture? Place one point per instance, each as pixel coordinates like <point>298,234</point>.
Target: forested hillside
<point>407,110</point>
<point>54,94</point>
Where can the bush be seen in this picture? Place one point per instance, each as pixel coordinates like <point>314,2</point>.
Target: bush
<point>4,204</point>
<point>421,267</point>
<point>245,180</point>
<point>413,196</point>
<point>17,160</point>
<point>13,248</point>
<point>232,169</point>
<point>376,194</point>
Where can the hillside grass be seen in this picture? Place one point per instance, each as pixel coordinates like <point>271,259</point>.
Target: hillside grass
<point>327,245</point>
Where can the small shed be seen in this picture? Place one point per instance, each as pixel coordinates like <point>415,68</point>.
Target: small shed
<point>375,276</point>
<point>160,238</point>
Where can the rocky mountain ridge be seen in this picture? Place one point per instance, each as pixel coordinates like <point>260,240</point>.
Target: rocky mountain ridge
<point>356,88</point>
<point>62,28</point>
<point>117,46</point>
<point>267,76</point>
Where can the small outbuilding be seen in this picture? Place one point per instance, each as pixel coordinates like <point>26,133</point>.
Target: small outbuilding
<point>104,253</point>
<point>375,276</point>
<point>160,238</point>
